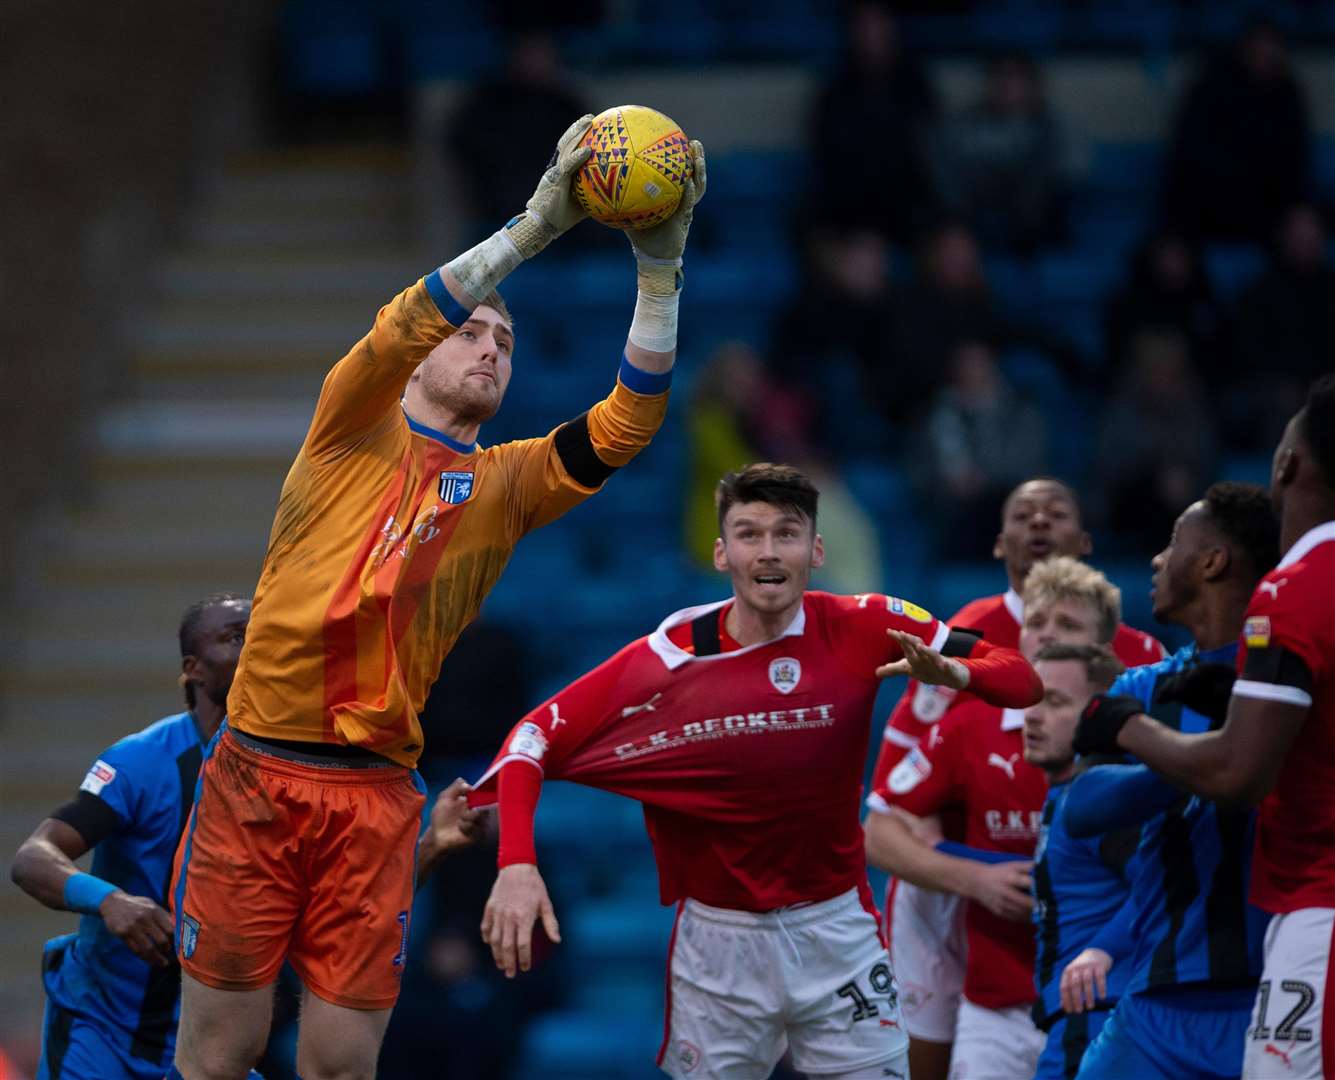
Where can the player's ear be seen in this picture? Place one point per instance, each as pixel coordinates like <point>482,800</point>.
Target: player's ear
<point>1086,544</point>
<point>1214,562</point>
<point>818,552</point>
<point>720,556</point>
<point>998,552</point>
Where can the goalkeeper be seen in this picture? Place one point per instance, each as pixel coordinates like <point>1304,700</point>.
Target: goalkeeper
<point>392,526</point>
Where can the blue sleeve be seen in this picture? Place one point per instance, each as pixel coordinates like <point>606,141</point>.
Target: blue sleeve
<point>1109,797</point>
<point>964,851</point>
<point>119,778</point>
<point>1138,682</point>
<point>1115,937</point>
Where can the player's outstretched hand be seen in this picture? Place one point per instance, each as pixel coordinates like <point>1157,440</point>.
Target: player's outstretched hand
<point>666,241</point>
<point>146,929</point>
<point>452,824</point>
<point>1005,889</point>
<point>924,664</point>
<point>553,209</point>
<point>518,899</point>
<point>1084,983</point>
<point>1102,721</point>
<point>1205,688</point>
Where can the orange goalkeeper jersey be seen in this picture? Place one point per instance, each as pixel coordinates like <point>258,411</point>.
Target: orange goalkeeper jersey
<point>388,536</point>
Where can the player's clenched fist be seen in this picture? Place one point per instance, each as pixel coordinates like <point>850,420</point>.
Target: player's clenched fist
<point>1005,889</point>
<point>146,929</point>
<point>518,899</point>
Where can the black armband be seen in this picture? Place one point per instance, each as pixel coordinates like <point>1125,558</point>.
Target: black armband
<point>89,816</point>
<point>575,449</point>
<point>960,643</point>
<point>1278,665</point>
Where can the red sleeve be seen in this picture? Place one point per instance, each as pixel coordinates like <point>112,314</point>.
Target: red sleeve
<point>538,745</point>
<point>1290,611</point>
<point>859,628</point>
<point>1002,677</point>
<point>926,779</point>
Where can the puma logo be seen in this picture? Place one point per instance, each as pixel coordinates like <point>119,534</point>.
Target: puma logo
<point>1272,587</point>
<point>1271,1048</point>
<point>1005,764</point>
<point>648,706</point>
<point>557,718</point>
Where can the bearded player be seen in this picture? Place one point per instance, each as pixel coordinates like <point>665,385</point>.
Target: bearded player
<point>742,727</point>
<point>1040,520</point>
<point>392,526</point>
<point>1275,748</point>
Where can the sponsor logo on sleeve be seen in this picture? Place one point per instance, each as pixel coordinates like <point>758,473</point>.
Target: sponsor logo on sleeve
<point>911,771</point>
<point>785,673</point>
<point>909,610</point>
<point>99,776</point>
<point>1256,632</point>
<point>931,702</point>
<point>529,741</point>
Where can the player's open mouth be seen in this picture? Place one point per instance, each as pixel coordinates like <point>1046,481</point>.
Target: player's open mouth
<point>770,579</point>
<point>1040,549</point>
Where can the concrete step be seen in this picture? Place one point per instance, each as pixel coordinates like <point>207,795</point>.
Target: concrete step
<point>246,428</point>
<point>326,278</point>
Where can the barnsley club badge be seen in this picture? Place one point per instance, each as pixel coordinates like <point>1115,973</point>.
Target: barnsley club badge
<point>455,487</point>
<point>785,673</point>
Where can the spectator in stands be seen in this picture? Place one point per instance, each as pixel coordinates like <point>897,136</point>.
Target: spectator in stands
<point>505,126</point>
<point>1284,332</point>
<point>1156,441</point>
<point>1005,165</point>
<point>1168,290</point>
<point>980,440</point>
<point>1240,148</point>
<point>740,413</point>
<point>843,360</point>
<point>947,303</point>
<point>874,111</point>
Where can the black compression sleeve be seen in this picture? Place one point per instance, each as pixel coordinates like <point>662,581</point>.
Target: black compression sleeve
<point>575,448</point>
<point>960,643</point>
<point>1277,665</point>
<point>89,816</point>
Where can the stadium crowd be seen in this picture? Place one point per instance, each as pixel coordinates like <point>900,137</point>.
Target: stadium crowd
<point>1071,893</point>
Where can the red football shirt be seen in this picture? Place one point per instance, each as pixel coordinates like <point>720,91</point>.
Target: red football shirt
<point>1293,608</point>
<point>974,761</point>
<point>748,761</point>
<point>998,619</point>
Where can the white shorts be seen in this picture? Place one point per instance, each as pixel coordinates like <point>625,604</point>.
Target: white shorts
<point>1289,1020</point>
<point>929,951</point>
<point>995,1044</point>
<point>745,987</point>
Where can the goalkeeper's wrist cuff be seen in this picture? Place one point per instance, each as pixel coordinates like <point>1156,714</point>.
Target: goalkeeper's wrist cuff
<point>85,893</point>
<point>480,269</point>
<point>655,324</point>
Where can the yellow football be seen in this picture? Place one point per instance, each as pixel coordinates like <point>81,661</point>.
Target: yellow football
<point>634,177</point>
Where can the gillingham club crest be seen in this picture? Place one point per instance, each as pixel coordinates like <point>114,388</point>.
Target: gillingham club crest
<point>455,487</point>
<point>785,673</point>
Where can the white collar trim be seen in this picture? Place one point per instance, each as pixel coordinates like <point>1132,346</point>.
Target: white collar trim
<point>1012,719</point>
<point>1313,537</point>
<point>673,656</point>
<point>1014,605</point>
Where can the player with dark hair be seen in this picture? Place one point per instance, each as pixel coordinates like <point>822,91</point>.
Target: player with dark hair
<point>113,989</point>
<point>1273,743</point>
<point>1080,886</point>
<point>392,527</point>
<point>742,727</point>
<point>1193,943</point>
<point>1040,519</point>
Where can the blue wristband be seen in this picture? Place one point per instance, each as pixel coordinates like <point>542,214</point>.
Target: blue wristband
<point>85,893</point>
<point>963,851</point>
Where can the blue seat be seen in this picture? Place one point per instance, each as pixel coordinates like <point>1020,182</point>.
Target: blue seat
<point>1232,267</point>
<point>606,1044</point>
<point>1126,167</point>
<point>619,932</point>
<point>952,585</point>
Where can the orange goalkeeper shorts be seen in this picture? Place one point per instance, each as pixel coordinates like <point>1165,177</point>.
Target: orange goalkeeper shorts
<point>286,859</point>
